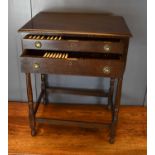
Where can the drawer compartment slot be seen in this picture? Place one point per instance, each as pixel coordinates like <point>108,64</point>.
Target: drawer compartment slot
<point>70,55</point>
<point>65,37</point>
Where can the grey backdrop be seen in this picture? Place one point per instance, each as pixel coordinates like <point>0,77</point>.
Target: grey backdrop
<point>135,14</point>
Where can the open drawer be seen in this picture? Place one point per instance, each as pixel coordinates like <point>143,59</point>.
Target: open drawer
<point>68,43</point>
<point>74,63</point>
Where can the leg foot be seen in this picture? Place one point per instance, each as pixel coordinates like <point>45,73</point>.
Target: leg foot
<point>33,132</point>
<point>112,135</point>
<point>111,140</point>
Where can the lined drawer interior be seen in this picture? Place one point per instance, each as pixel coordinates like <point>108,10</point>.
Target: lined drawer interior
<point>69,55</point>
<point>64,37</point>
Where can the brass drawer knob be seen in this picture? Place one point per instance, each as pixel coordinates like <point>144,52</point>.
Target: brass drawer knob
<point>107,47</point>
<point>38,44</point>
<point>106,70</point>
<point>36,66</point>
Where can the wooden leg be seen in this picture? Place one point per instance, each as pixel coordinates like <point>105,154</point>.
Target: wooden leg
<point>43,87</point>
<point>30,104</point>
<point>111,92</point>
<point>115,111</point>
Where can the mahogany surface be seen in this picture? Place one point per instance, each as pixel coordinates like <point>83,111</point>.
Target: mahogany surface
<point>131,136</point>
<point>80,67</point>
<point>77,23</point>
<point>77,45</point>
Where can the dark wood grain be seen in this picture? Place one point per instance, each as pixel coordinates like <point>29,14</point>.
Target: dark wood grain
<point>38,101</point>
<point>81,124</point>
<point>30,104</point>
<point>43,87</point>
<point>73,67</point>
<point>115,111</point>
<point>110,94</point>
<point>78,91</point>
<point>77,23</point>
<point>74,45</point>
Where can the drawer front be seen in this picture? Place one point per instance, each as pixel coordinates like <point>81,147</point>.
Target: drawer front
<point>106,68</point>
<point>73,45</point>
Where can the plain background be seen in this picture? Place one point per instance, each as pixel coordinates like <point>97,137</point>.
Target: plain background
<point>135,79</point>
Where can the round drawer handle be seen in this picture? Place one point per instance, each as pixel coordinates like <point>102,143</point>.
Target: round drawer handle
<point>107,47</point>
<point>38,44</point>
<point>36,66</point>
<point>106,70</point>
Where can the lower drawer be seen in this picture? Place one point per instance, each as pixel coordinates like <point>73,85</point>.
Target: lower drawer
<point>90,67</point>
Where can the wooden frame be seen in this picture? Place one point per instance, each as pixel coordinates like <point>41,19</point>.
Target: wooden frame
<point>113,106</point>
<point>80,35</point>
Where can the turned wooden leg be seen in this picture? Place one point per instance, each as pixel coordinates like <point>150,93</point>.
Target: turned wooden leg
<point>43,87</point>
<point>30,104</point>
<point>111,92</point>
<point>115,112</point>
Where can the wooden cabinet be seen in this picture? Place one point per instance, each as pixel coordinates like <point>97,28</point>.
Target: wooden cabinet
<point>75,44</point>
